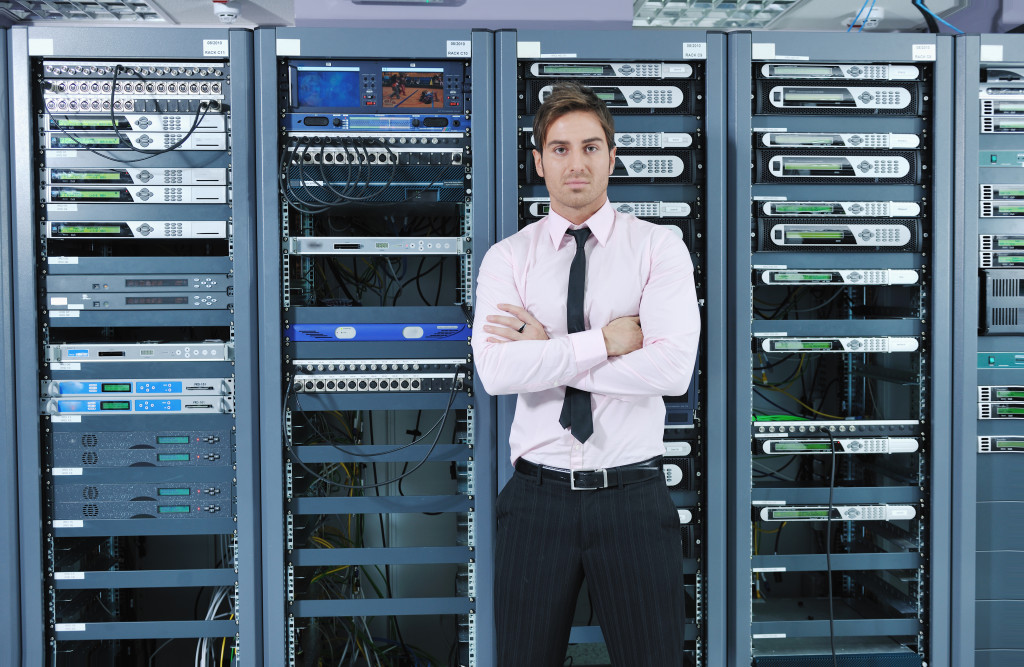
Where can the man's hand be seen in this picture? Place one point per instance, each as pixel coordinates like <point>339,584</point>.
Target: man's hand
<point>622,336</point>
<point>512,328</point>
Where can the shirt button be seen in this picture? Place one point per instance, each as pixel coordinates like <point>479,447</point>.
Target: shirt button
<point>576,447</point>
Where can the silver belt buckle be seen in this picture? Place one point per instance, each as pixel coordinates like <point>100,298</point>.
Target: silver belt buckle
<point>572,480</point>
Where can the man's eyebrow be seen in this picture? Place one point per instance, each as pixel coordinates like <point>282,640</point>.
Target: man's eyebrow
<point>591,140</point>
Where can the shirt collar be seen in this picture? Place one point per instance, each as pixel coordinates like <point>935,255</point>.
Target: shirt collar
<point>600,224</point>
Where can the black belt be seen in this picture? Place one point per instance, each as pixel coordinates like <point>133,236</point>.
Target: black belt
<point>591,480</point>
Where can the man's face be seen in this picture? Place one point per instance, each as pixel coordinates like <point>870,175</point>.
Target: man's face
<point>575,165</point>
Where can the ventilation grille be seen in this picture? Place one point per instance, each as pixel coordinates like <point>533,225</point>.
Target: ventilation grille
<point>90,492</point>
<point>89,440</point>
<point>1004,317</point>
<point>1006,287</point>
<point>90,511</point>
<point>90,458</point>
<point>80,10</point>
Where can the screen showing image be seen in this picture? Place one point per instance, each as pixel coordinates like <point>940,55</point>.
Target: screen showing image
<point>413,88</point>
<point>327,87</point>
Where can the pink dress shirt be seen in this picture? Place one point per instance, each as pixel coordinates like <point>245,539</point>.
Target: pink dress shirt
<point>633,268</point>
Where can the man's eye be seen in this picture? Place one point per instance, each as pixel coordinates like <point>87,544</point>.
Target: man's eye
<point>560,150</point>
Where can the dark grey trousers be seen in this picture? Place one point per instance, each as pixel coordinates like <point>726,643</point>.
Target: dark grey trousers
<point>624,540</point>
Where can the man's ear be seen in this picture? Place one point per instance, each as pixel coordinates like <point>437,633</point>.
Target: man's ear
<point>611,162</point>
<point>538,162</point>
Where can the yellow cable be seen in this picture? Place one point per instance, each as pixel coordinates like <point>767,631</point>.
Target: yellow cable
<point>223,643</point>
<point>783,391</point>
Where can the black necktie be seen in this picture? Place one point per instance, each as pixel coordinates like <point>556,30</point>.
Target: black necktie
<point>576,412</point>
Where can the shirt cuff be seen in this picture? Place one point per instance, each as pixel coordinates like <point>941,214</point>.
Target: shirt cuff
<point>588,348</point>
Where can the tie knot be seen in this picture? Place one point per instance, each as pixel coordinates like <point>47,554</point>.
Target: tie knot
<point>580,235</point>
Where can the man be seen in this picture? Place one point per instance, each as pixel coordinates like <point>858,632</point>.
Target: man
<point>563,310</point>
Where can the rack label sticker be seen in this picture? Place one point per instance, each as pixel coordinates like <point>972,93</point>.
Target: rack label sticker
<point>762,51</point>
<point>923,52</point>
<point>288,47</point>
<point>69,627</point>
<point>67,472</point>
<point>65,313</point>
<point>66,419</point>
<point>992,53</point>
<point>769,635</point>
<point>62,260</point>
<point>215,48</point>
<point>66,576</point>
<point>767,502</point>
<point>695,50</point>
<point>768,569</point>
<point>558,55</point>
<point>65,366</point>
<point>40,47</point>
<point>69,523</point>
<point>459,48</point>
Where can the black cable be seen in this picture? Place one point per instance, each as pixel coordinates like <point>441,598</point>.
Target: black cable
<point>828,551</point>
<point>933,25</point>
<point>765,398</point>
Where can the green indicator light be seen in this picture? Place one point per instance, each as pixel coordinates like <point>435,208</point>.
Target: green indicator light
<point>115,405</point>
<point>802,208</point>
<point>1009,411</point>
<point>172,440</point>
<point>173,509</point>
<point>814,235</point>
<point>111,386</point>
<point>173,492</point>
<point>1010,394</point>
<point>803,446</point>
<point>172,457</point>
<point>81,229</point>
<point>799,514</point>
<point>804,276</point>
<point>1010,444</point>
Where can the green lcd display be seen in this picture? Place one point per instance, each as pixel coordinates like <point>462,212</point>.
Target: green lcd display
<point>1009,411</point>
<point>607,97</point>
<point>115,405</point>
<point>1010,444</point>
<point>173,509</point>
<point>173,492</point>
<point>804,277</point>
<point>90,229</point>
<point>172,440</point>
<point>1013,124</point>
<point>172,457</point>
<point>1009,394</point>
<point>802,446</point>
<point>802,140</point>
<point>381,245</point>
<point>803,208</point>
<point>573,69</point>
<point>1010,243</point>
<point>1010,208</point>
<point>799,514</point>
<point>96,141</point>
<point>813,235</point>
<point>1010,106</point>
<point>796,70</point>
<point>87,194</point>
<point>1009,192</point>
<point>115,386</point>
<point>83,122</point>
<point>816,166</point>
<point>802,345</point>
<point>813,97</point>
<point>86,176</point>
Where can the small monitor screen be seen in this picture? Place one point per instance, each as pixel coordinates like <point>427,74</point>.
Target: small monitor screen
<point>327,87</point>
<point>419,88</point>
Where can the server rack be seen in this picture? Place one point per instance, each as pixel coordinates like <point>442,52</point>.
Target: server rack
<point>9,589</point>
<point>341,543</point>
<point>988,600</point>
<point>691,198</point>
<point>842,168</point>
<point>131,522</point>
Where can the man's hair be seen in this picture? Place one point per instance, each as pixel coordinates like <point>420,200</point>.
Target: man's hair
<point>567,97</point>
